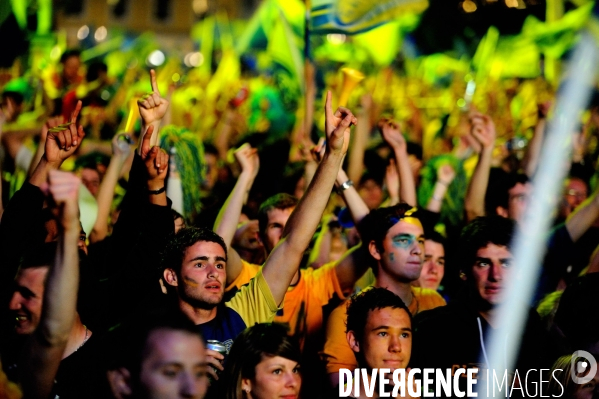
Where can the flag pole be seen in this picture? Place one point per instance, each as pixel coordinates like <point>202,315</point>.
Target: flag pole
<point>308,72</point>
<point>530,241</point>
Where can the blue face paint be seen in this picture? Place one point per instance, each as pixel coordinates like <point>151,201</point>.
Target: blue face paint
<point>404,241</point>
<point>391,257</point>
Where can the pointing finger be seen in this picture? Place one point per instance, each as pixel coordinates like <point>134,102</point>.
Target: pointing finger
<point>154,83</point>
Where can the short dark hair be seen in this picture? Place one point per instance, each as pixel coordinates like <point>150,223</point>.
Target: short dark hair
<point>503,196</point>
<point>374,226</point>
<point>39,255</point>
<point>414,149</point>
<point>375,177</point>
<point>16,96</point>
<point>435,237</point>
<point>129,341</point>
<point>250,348</point>
<point>68,54</point>
<point>94,69</point>
<point>174,252</point>
<point>576,314</point>
<point>277,201</point>
<point>209,148</point>
<point>362,303</point>
<point>481,232</point>
<point>92,160</point>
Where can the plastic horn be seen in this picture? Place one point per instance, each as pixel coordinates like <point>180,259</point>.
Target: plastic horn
<point>351,78</point>
<point>132,117</point>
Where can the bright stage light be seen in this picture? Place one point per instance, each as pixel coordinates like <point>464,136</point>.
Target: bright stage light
<point>336,38</point>
<point>193,59</point>
<point>199,6</point>
<point>469,6</point>
<point>156,58</point>
<point>83,32</point>
<point>101,33</point>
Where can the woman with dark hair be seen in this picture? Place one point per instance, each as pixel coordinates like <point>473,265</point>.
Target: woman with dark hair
<point>263,364</point>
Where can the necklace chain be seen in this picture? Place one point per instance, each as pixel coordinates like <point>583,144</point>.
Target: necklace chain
<point>84,339</point>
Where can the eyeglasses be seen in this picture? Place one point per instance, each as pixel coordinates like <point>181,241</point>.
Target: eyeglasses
<point>576,194</point>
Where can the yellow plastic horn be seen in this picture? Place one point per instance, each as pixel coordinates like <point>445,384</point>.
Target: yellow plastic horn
<point>133,116</point>
<point>351,78</point>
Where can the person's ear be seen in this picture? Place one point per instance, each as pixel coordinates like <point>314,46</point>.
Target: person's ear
<point>246,385</point>
<point>170,277</point>
<point>120,382</point>
<point>501,211</point>
<point>352,341</point>
<point>374,251</point>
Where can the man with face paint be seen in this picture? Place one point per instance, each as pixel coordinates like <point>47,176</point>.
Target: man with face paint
<point>395,239</point>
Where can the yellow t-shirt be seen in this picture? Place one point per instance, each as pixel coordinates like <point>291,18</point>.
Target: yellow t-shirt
<point>337,354</point>
<point>302,307</point>
<point>254,302</point>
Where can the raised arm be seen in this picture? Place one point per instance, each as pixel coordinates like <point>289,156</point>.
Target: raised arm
<point>356,205</point>
<point>357,208</point>
<point>533,150</point>
<point>44,349</point>
<point>61,143</point>
<point>445,175</point>
<point>156,162</point>
<point>483,130</point>
<point>393,136</point>
<point>392,183</point>
<point>39,152</point>
<point>120,152</point>
<point>283,262</point>
<point>583,217</point>
<point>360,140</point>
<point>152,108</point>
<point>228,216</point>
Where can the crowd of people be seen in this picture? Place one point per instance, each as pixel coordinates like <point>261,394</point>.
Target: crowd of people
<point>146,252</point>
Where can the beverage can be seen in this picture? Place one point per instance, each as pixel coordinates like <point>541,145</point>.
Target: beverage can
<point>216,346</point>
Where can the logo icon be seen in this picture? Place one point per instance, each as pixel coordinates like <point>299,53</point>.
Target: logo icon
<point>583,367</point>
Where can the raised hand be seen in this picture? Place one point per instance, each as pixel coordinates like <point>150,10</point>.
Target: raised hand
<point>122,145</point>
<point>248,159</point>
<point>445,174</point>
<point>483,130</point>
<point>392,180</point>
<point>156,161</point>
<point>317,151</point>
<point>63,189</point>
<point>63,140</point>
<point>543,109</point>
<point>392,134</point>
<point>337,127</point>
<point>51,123</point>
<point>152,107</point>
